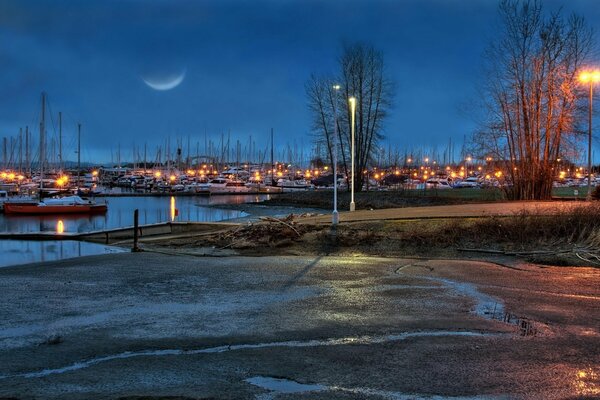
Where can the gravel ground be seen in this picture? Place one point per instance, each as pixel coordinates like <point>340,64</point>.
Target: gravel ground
<point>130,325</point>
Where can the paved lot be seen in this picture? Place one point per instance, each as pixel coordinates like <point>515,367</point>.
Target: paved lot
<point>297,327</point>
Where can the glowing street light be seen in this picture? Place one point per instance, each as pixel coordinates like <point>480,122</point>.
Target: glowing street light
<point>590,77</point>
<point>352,101</point>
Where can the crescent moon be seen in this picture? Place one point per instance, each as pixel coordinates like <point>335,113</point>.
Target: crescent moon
<point>167,83</point>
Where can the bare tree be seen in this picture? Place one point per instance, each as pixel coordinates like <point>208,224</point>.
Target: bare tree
<point>362,75</point>
<point>531,93</point>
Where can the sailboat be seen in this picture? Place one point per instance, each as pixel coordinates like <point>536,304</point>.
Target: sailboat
<point>59,205</point>
<point>55,205</point>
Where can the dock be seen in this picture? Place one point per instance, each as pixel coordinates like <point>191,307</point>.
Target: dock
<point>112,236</point>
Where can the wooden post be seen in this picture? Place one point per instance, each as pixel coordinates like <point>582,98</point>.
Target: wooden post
<point>135,247</point>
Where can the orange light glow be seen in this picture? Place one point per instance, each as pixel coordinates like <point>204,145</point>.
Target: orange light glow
<point>173,209</point>
<point>172,178</point>
<point>592,76</point>
<point>157,174</point>
<point>60,226</point>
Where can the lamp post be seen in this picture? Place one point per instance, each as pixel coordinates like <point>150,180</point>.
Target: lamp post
<point>335,217</point>
<point>590,77</point>
<point>352,101</point>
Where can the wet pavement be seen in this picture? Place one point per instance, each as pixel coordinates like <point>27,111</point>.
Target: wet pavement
<point>298,327</point>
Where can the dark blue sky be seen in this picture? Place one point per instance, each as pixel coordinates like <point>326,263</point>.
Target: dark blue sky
<point>246,65</point>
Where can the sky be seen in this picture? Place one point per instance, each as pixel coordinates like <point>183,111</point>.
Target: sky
<point>243,66</point>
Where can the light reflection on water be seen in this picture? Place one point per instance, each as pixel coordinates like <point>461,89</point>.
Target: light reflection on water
<point>16,252</point>
<point>120,214</point>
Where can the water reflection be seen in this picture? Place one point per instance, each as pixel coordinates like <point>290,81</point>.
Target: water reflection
<point>120,214</point>
<point>60,226</point>
<point>16,252</point>
<point>173,209</point>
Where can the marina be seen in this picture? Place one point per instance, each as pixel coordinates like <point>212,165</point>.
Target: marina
<point>274,200</point>
<point>152,210</point>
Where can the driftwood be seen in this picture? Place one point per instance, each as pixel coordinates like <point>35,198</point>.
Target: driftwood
<point>273,219</point>
<point>583,254</point>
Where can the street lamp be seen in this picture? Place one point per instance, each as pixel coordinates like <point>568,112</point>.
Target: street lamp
<point>590,77</point>
<point>336,216</point>
<point>352,101</point>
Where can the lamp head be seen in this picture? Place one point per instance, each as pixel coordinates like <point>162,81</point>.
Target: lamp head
<point>589,76</point>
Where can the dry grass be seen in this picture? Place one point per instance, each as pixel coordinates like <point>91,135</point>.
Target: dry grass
<point>566,238</point>
<point>578,226</point>
<point>571,237</point>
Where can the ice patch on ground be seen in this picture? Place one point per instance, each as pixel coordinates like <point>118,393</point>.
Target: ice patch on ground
<point>277,386</point>
<point>281,385</point>
<point>486,306</point>
<point>206,316</point>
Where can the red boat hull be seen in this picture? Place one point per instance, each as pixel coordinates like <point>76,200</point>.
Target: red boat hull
<point>34,209</point>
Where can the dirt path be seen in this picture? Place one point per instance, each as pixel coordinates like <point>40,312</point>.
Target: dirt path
<point>447,211</point>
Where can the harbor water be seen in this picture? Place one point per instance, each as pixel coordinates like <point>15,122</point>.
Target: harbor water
<point>16,252</point>
<point>120,214</point>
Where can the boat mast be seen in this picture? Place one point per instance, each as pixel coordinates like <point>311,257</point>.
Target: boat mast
<point>27,163</point>
<point>4,153</point>
<point>60,155</point>
<point>42,143</point>
<point>78,152</point>
<point>272,164</point>
<point>20,150</point>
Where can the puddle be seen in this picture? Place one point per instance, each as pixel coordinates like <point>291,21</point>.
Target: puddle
<point>277,386</point>
<point>486,306</point>
<point>359,340</point>
<point>281,385</point>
